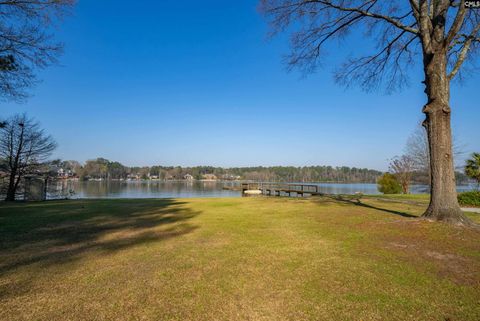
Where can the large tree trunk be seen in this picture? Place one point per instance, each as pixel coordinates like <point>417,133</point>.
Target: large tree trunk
<point>443,201</point>
<point>11,188</point>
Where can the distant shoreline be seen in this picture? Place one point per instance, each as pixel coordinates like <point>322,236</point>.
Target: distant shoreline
<point>236,181</point>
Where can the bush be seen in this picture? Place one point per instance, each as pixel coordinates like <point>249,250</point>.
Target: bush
<point>388,184</point>
<point>469,198</point>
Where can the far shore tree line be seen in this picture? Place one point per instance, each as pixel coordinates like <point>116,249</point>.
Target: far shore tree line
<point>104,169</point>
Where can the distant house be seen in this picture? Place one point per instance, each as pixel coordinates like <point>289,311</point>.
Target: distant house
<point>209,177</point>
<point>188,177</point>
<point>61,173</point>
<point>134,177</point>
<point>229,177</point>
<point>65,173</point>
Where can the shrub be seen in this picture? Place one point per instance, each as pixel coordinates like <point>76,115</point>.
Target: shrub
<point>469,198</point>
<point>388,184</point>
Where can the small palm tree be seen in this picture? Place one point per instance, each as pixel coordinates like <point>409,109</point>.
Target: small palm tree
<point>472,168</point>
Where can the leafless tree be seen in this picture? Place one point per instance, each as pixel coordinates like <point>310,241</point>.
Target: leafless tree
<point>24,146</point>
<point>26,43</point>
<point>402,167</point>
<point>417,149</point>
<point>441,34</point>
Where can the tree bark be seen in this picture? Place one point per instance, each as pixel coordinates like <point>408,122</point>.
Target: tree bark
<point>405,187</point>
<point>443,201</point>
<point>11,188</point>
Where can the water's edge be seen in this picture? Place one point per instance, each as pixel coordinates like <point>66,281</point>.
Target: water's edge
<point>195,189</point>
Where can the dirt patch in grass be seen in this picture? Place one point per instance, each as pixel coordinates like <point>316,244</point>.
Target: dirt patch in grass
<point>448,251</point>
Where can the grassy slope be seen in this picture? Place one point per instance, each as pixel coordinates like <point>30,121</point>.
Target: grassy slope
<point>234,259</point>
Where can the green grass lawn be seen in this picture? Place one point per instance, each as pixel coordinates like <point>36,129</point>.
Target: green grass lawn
<point>234,259</point>
<point>402,197</point>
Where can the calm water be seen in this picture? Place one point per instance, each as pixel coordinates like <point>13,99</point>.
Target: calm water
<point>146,189</point>
<point>157,189</point>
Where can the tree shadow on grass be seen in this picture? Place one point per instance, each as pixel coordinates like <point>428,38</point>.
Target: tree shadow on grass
<point>357,202</point>
<point>53,233</point>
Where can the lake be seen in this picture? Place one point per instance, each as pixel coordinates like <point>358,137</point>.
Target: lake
<point>182,189</point>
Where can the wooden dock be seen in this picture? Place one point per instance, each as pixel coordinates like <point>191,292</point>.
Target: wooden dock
<point>282,189</point>
<point>289,190</point>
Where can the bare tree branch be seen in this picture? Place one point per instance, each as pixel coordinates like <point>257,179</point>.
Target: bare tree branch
<point>386,64</point>
<point>457,23</point>
<point>367,13</point>
<point>25,43</point>
<point>462,55</point>
<point>425,26</point>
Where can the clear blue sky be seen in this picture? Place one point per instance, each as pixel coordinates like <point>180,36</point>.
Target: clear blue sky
<point>198,83</point>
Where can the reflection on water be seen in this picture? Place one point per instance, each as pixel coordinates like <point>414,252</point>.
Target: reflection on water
<point>181,189</point>
<point>143,189</point>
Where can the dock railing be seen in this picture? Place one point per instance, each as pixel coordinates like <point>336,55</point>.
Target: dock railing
<point>272,188</point>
